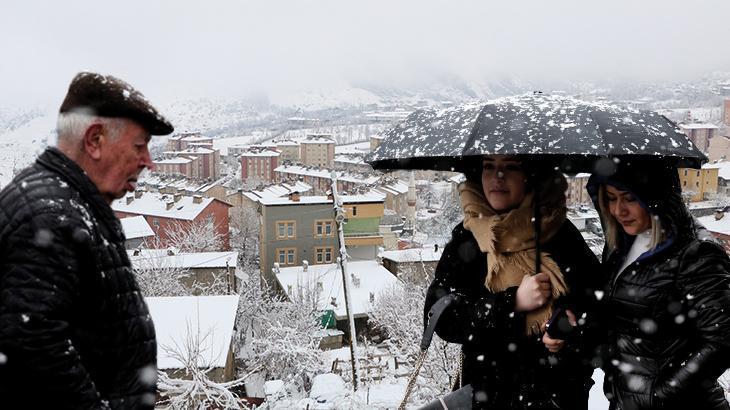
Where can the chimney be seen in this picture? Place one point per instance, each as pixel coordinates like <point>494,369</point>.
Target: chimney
<point>294,196</point>
<point>138,193</point>
<point>169,203</point>
<point>435,248</point>
<point>330,197</point>
<point>130,198</point>
<point>177,197</point>
<point>197,199</point>
<point>719,214</point>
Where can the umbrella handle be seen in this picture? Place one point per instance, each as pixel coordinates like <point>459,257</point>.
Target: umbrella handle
<point>536,218</point>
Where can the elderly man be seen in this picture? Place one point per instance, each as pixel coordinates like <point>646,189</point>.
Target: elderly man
<point>75,331</point>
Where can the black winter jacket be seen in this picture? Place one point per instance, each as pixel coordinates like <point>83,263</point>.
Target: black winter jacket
<point>75,331</point>
<point>668,321</point>
<point>514,370</point>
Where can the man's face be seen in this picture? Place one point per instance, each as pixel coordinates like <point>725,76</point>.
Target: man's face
<point>122,159</point>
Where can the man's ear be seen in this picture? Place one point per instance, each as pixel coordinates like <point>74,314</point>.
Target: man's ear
<point>92,141</point>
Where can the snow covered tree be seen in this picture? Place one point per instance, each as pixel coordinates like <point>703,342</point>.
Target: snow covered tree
<point>279,336</point>
<point>199,236</point>
<point>158,277</point>
<point>195,390</point>
<point>398,314</point>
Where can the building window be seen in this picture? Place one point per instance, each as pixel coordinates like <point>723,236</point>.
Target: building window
<point>323,254</point>
<point>286,256</point>
<point>323,228</point>
<point>286,230</point>
<point>685,172</point>
<point>684,183</point>
<point>354,211</point>
<point>698,173</point>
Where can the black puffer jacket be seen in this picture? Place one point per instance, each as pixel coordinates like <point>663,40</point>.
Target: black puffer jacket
<point>514,370</point>
<point>75,331</point>
<point>666,316</point>
<point>669,321</point>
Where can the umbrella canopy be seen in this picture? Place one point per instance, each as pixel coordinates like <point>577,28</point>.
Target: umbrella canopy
<point>572,132</point>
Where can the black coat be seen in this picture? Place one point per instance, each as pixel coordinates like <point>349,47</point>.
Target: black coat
<point>514,370</point>
<point>668,321</point>
<point>74,329</point>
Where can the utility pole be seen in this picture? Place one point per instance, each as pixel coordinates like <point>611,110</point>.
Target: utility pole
<point>342,259</point>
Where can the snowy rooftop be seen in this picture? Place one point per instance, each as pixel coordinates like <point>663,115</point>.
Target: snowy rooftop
<point>319,199</point>
<point>356,148</point>
<point>698,126</point>
<point>724,167</point>
<point>318,139</point>
<point>287,143</point>
<point>197,139</point>
<point>176,317</point>
<point>277,191</point>
<point>413,255</point>
<point>394,188</point>
<point>223,144</point>
<point>136,227</point>
<point>147,258</point>
<point>720,226</point>
<point>350,159</point>
<point>260,153</point>
<point>191,150</point>
<point>155,204</point>
<point>325,173</point>
<point>176,160</point>
<point>373,278</point>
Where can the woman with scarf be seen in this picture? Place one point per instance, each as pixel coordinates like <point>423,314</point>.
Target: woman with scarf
<point>666,298</point>
<point>502,304</point>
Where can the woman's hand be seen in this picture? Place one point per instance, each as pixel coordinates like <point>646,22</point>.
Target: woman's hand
<point>554,345</point>
<point>533,292</point>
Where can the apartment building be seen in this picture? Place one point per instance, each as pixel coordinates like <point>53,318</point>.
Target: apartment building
<point>702,183</point>
<point>317,150</point>
<point>302,228</point>
<point>259,164</point>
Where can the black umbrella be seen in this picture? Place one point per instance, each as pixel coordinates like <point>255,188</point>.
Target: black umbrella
<point>569,132</point>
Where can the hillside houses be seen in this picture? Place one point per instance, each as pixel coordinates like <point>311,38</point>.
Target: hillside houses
<point>169,212</point>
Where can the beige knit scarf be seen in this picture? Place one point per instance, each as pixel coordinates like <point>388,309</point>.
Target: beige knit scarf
<point>509,241</point>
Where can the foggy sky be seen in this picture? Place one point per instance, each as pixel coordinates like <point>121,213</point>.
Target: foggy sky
<point>182,49</point>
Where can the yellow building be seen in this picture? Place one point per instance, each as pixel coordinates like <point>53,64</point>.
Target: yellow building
<point>701,182</point>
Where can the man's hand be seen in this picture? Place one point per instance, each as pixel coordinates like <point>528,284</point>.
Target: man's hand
<point>533,292</point>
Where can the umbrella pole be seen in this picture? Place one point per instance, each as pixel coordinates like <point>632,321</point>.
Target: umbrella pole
<point>538,226</point>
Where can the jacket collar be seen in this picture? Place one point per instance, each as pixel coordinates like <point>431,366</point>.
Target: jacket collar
<point>57,162</point>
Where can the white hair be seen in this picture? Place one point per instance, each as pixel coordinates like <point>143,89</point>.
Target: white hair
<point>71,126</point>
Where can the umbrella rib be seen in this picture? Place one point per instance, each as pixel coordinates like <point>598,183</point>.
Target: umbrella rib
<point>473,134</point>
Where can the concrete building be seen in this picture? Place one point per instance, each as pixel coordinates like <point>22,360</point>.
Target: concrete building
<point>289,151</point>
<point>577,193</point>
<point>299,228</point>
<point>189,167</point>
<point>137,232</point>
<point>413,264</point>
<point>719,149</point>
<point>167,212</point>
<point>321,179</point>
<point>317,150</point>
<point>700,134</point>
<point>701,182</point>
<point>181,141</point>
<point>259,164</point>
<point>208,160</point>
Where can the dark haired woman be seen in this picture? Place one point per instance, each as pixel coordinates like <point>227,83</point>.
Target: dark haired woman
<point>666,297</point>
<point>490,264</point>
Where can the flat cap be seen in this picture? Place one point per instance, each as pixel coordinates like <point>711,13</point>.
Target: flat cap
<point>108,96</point>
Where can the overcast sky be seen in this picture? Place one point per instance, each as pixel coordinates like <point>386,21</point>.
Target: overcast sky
<point>182,48</point>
